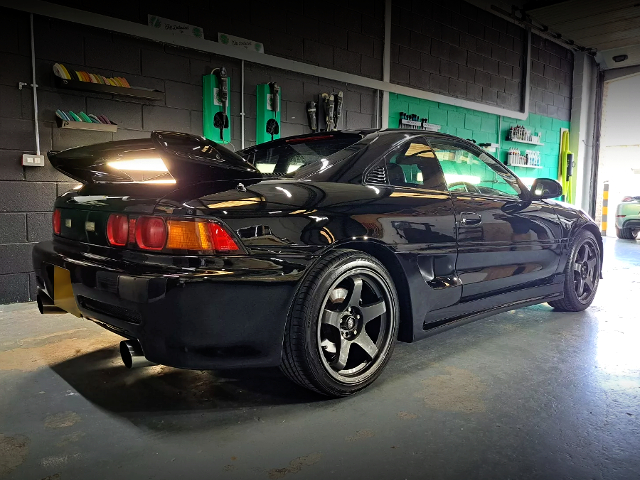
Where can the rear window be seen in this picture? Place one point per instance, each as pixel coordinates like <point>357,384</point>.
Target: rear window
<point>286,157</point>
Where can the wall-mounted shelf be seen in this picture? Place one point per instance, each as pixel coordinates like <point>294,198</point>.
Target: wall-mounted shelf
<point>147,94</point>
<point>523,166</point>
<point>96,127</point>
<point>524,141</point>
<point>419,125</point>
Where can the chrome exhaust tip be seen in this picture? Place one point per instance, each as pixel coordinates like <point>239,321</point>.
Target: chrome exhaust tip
<point>46,306</point>
<point>132,355</point>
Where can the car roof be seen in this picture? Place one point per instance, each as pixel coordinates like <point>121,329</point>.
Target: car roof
<point>435,135</point>
<point>364,132</point>
<point>284,140</point>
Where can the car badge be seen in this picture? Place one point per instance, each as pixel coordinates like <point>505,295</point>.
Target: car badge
<point>90,226</point>
<point>67,222</point>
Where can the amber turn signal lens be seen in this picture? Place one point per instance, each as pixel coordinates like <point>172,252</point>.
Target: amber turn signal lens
<point>188,235</point>
<point>199,235</point>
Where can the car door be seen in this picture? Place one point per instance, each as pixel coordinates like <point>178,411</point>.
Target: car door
<point>419,221</point>
<point>504,240</point>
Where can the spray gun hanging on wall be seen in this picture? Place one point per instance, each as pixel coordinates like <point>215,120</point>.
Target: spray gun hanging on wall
<point>326,113</point>
<point>215,109</point>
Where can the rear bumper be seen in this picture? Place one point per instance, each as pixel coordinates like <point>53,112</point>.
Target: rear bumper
<point>633,223</point>
<point>198,318</point>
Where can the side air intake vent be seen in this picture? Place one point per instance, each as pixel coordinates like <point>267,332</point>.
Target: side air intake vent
<point>377,175</point>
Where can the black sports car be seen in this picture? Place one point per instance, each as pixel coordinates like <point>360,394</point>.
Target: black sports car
<point>314,253</point>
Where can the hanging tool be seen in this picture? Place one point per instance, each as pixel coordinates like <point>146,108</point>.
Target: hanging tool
<point>273,128</point>
<point>569,166</point>
<point>221,119</point>
<point>275,97</point>
<point>328,110</point>
<point>338,108</point>
<point>311,114</point>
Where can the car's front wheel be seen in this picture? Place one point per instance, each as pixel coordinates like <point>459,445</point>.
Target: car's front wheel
<point>582,274</point>
<point>343,324</point>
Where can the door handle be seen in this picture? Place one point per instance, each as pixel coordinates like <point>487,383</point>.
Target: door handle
<point>468,219</point>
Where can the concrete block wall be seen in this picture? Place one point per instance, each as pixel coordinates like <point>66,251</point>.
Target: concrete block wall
<point>551,79</point>
<point>346,36</point>
<point>457,49</point>
<point>27,194</point>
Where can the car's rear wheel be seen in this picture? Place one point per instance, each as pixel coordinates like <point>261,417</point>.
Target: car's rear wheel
<point>343,325</point>
<point>626,233</point>
<point>582,274</point>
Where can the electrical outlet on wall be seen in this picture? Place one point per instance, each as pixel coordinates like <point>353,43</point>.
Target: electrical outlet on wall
<point>30,160</point>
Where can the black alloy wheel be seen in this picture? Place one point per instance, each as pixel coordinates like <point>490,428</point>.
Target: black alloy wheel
<point>582,274</point>
<point>354,314</point>
<point>343,325</point>
<point>585,271</point>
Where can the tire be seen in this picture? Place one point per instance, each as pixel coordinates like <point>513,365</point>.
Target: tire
<point>626,233</point>
<point>337,340</point>
<point>582,274</point>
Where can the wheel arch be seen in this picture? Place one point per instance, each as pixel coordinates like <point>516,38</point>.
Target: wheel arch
<point>593,228</point>
<point>387,257</point>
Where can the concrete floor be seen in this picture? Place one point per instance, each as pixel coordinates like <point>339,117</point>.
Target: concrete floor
<point>526,394</point>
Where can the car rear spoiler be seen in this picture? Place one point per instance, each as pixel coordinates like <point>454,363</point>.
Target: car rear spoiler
<point>187,159</point>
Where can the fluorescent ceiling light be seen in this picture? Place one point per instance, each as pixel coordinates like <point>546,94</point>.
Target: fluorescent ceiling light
<point>140,164</point>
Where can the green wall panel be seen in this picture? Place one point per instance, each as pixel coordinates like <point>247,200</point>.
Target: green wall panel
<point>487,128</point>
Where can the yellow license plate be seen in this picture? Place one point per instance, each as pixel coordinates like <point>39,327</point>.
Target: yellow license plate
<point>63,291</point>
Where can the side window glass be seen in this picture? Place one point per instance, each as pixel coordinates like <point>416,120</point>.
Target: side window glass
<point>464,171</point>
<point>415,165</point>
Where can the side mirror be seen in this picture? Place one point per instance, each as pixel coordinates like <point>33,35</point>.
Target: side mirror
<point>545,188</point>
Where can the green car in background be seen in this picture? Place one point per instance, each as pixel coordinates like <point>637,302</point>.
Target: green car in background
<point>628,218</point>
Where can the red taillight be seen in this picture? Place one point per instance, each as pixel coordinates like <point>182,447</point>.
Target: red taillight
<point>118,229</point>
<point>132,230</point>
<point>151,233</point>
<point>221,239</point>
<point>56,221</point>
